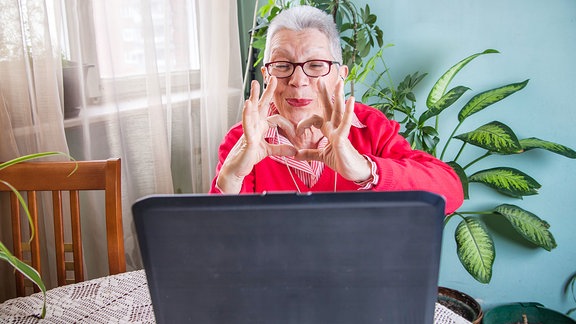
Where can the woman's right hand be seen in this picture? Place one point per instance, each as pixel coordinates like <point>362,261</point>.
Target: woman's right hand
<point>251,147</point>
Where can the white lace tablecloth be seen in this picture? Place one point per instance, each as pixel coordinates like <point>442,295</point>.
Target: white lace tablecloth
<point>122,298</point>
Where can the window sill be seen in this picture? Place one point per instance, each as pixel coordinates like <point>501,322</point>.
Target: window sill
<point>102,112</point>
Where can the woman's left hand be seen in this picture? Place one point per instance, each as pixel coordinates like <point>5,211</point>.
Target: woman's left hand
<point>335,125</point>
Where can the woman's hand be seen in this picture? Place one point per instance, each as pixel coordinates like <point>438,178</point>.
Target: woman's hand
<point>335,125</point>
<point>251,148</point>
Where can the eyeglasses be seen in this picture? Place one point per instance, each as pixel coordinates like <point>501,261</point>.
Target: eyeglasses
<point>312,68</point>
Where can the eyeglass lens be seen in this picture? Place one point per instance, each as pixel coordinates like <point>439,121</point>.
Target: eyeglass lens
<point>314,68</point>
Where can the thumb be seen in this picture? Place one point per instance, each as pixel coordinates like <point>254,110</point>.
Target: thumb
<point>281,150</point>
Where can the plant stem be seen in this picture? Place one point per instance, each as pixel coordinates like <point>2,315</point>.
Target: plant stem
<point>461,214</point>
<point>350,7</point>
<point>460,152</point>
<point>448,141</point>
<point>478,159</point>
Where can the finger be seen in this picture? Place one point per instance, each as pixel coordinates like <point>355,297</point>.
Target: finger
<point>285,124</point>
<point>307,123</point>
<point>344,127</point>
<point>339,103</point>
<point>308,155</point>
<point>267,97</point>
<point>254,91</point>
<point>248,111</point>
<point>325,99</point>
<point>281,150</point>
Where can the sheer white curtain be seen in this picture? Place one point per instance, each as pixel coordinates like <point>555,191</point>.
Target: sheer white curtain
<point>160,84</point>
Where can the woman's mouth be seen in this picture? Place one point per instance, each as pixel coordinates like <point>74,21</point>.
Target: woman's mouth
<point>298,102</point>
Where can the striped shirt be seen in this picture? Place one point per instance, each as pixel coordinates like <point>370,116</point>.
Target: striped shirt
<point>310,171</point>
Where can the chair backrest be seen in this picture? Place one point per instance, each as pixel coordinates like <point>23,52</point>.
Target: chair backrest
<point>29,178</point>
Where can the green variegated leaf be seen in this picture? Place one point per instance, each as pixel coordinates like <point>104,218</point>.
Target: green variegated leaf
<point>508,181</point>
<point>439,88</point>
<point>446,101</point>
<point>25,270</point>
<point>494,137</point>
<point>24,206</point>
<point>530,226</point>
<point>29,157</point>
<point>534,143</point>
<point>475,249</point>
<point>462,175</point>
<point>487,98</point>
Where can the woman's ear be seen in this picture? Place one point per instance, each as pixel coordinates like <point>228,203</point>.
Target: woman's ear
<point>343,72</point>
<point>264,76</point>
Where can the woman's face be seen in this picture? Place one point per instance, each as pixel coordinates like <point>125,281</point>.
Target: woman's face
<point>297,96</point>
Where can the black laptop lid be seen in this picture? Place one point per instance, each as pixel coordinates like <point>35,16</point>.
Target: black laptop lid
<point>346,257</point>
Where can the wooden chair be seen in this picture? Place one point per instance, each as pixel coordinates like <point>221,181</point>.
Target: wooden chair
<point>32,177</point>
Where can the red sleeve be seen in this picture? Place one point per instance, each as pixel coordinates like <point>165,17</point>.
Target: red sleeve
<point>399,166</point>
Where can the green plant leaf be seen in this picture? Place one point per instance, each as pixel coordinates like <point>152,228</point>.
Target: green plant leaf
<point>487,98</point>
<point>29,157</point>
<point>462,175</point>
<point>446,101</point>
<point>536,143</point>
<point>475,249</point>
<point>25,270</point>
<point>494,137</point>
<point>530,226</point>
<point>508,181</point>
<point>439,88</point>
<point>24,206</point>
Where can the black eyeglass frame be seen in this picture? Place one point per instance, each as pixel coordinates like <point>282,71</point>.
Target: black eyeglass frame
<point>301,65</point>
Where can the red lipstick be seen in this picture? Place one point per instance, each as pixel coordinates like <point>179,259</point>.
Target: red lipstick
<point>295,102</point>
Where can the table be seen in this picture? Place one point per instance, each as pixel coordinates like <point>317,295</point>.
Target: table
<point>122,298</point>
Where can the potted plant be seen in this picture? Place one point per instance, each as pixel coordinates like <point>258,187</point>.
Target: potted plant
<point>5,254</point>
<point>475,247</point>
<point>74,78</point>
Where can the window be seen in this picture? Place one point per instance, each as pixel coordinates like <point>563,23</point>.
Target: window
<point>128,41</point>
<point>123,29</point>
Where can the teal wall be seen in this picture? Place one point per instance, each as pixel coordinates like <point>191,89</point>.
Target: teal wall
<point>537,41</point>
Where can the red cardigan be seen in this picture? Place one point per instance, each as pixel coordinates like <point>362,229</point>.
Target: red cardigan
<point>399,166</point>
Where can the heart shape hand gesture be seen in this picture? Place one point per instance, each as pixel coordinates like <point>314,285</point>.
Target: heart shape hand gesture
<point>335,125</point>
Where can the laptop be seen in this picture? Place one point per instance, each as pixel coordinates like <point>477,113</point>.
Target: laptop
<point>275,258</point>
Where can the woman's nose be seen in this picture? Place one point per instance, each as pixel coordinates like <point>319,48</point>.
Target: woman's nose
<point>299,78</point>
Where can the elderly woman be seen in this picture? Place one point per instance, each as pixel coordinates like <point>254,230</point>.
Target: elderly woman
<point>302,135</point>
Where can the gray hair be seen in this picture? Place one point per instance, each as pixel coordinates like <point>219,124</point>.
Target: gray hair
<point>301,17</point>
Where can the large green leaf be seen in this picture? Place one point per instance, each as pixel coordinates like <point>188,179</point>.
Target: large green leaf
<point>439,88</point>
<point>487,98</point>
<point>494,137</point>
<point>446,101</point>
<point>475,249</point>
<point>462,175</point>
<point>536,143</point>
<point>530,226</point>
<point>508,181</point>
<point>25,270</point>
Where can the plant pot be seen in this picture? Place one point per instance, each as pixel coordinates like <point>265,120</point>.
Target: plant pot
<point>74,81</point>
<point>525,313</point>
<point>461,304</point>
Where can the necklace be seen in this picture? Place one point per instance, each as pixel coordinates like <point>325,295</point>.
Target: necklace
<point>290,171</point>
<point>296,183</point>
